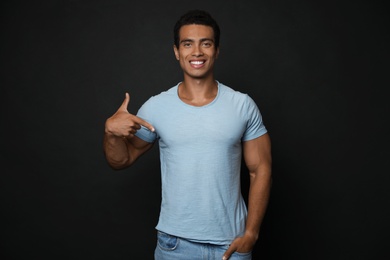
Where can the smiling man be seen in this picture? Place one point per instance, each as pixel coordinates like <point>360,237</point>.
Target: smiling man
<point>203,128</point>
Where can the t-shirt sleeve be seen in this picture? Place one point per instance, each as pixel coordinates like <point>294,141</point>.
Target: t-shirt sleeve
<point>255,126</point>
<point>146,112</point>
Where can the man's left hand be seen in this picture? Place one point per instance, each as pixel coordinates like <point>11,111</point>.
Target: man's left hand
<point>242,244</point>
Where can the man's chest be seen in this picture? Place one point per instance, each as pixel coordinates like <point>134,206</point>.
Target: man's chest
<point>201,127</point>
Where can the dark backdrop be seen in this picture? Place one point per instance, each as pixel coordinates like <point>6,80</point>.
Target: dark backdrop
<point>317,70</point>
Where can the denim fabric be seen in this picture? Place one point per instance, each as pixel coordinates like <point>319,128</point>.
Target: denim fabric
<point>174,248</point>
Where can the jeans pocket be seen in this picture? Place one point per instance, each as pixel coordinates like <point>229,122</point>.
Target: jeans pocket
<point>166,241</point>
<point>239,255</point>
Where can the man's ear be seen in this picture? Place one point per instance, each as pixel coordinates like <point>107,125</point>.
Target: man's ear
<point>176,52</point>
<point>217,53</point>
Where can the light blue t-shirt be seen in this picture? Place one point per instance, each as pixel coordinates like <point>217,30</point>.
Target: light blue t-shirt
<point>200,156</point>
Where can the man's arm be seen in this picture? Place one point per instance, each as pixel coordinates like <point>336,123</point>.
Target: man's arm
<point>121,147</point>
<point>257,155</point>
<point>122,152</point>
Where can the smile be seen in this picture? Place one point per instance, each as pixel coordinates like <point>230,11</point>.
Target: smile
<point>197,62</point>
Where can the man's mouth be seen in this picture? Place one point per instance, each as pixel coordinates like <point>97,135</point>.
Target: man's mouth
<point>197,63</point>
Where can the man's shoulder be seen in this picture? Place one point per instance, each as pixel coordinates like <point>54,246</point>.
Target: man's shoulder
<point>157,103</point>
<point>162,96</point>
<point>228,91</point>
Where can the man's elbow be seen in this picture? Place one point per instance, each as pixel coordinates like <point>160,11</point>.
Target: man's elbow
<point>119,164</point>
<point>116,167</point>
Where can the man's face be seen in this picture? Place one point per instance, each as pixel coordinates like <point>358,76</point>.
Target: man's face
<point>197,51</point>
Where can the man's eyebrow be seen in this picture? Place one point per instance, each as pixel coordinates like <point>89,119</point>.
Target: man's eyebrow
<point>206,39</point>
<point>201,40</point>
<point>186,40</point>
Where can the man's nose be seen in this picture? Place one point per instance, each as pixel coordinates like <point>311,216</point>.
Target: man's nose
<point>197,51</point>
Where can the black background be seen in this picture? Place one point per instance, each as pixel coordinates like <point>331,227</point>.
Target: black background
<point>317,70</point>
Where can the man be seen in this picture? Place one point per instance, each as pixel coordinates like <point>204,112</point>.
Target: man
<point>203,128</point>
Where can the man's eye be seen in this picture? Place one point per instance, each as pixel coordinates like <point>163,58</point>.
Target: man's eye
<point>207,44</point>
<point>187,44</point>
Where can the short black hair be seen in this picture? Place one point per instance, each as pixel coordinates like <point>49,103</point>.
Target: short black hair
<point>196,17</point>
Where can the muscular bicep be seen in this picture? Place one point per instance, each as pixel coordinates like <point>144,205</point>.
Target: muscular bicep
<point>257,153</point>
<point>137,147</point>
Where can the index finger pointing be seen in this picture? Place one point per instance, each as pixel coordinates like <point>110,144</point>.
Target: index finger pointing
<point>144,123</point>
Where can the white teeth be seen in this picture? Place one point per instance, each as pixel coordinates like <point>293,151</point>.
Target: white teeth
<point>197,62</point>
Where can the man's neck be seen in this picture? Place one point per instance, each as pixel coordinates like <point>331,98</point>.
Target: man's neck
<point>198,92</point>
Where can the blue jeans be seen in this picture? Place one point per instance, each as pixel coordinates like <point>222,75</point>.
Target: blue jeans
<point>174,248</point>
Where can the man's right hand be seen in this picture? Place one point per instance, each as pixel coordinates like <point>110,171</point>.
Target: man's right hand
<point>124,124</point>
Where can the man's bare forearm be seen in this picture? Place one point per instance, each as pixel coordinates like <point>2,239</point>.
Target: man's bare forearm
<point>260,186</point>
<point>116,151</point>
